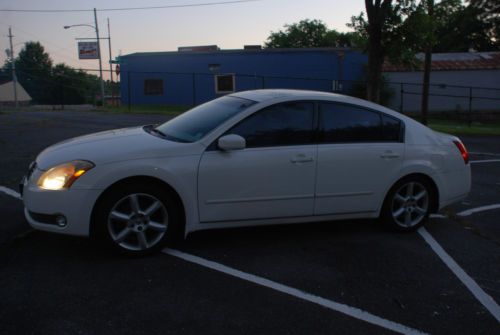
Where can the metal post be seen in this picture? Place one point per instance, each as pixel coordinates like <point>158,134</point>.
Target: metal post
<point>110,57</point>
<point>401,95</point>
<point>470,106</point>
<point>194,89</point>
<point>111,67</point>
<point>99,51</point>
<point>128,90</point>
<point>13,62</point>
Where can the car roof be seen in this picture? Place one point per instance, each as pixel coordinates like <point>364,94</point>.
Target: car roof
<point>272,94</point>
<point>265,95</point>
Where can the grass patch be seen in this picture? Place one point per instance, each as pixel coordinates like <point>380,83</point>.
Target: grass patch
<point>170,110</point>
<point>461,128</point>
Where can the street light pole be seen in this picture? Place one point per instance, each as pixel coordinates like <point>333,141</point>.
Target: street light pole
<point>99,52</point>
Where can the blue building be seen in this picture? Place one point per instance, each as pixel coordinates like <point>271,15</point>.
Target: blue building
<point>192,76</point>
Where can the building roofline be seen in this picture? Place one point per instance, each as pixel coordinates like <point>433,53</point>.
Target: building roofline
<point>237,51</point>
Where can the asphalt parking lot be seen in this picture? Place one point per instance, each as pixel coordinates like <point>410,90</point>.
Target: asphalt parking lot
<point>336,277</point>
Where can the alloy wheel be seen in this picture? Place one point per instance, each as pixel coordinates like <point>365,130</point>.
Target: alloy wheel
<point>410,204</point>
<point>137,222</point>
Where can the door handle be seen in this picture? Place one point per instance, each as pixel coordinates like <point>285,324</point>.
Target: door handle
<point>301,159</point>
<point>389,155</point>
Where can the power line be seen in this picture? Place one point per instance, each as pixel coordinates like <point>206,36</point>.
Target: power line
<point>204,4</point>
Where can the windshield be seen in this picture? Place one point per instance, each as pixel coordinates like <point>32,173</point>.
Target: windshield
<point>199,121</point>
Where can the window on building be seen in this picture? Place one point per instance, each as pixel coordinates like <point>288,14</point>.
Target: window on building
<point>153,87</point>
<point>279,125</point>
<point>224,83</point>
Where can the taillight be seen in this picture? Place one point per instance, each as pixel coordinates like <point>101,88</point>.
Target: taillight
<point>463,151</point>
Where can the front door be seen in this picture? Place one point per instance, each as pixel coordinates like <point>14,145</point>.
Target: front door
<point>273,177</point>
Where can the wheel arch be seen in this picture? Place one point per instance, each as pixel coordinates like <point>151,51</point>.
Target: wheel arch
<point>435,190</point>
<point>136,179</point>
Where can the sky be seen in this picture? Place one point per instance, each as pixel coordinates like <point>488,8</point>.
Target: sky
<point>229,26</point>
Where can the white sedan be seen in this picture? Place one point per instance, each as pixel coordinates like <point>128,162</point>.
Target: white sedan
<point>248,158</point>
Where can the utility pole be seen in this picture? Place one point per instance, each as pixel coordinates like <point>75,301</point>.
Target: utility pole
<point>13,66</point>
<point>99,51</point>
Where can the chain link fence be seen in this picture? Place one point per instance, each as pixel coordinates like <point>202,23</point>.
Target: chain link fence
<point>462,103</point>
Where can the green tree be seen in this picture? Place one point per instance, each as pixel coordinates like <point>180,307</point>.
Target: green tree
<point>34,69</point>
<point>384,29</point>
<point>68,85</point>
<point>488,11</point>
<point>460,28</point>
<point>310,34</point>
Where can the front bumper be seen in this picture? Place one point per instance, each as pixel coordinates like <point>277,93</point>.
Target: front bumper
<point>74,204</point>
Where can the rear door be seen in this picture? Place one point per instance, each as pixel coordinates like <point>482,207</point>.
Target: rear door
<point>359,153</point>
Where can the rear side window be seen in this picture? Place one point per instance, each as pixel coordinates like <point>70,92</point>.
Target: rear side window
<point>340,123</point>
<point>392,129</point>
<point>279,125</point>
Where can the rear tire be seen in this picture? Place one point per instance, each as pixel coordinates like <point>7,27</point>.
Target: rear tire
<point>408,204</point>
<point>137,219</point>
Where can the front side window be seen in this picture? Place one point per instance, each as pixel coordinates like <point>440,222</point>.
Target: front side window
<point>153,87</point>
<point>279,125</point>
<point>341,123</point>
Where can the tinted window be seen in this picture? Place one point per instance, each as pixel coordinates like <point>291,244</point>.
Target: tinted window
<point>278,125</point>
<point>345,123</point>
<point>153,87</point>
<point>392,128</point>
<point>199,121</point>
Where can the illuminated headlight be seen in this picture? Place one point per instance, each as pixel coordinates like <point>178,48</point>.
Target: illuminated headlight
<point>63,176</point>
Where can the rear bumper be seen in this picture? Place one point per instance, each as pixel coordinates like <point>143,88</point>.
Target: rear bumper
<point>455,186</point>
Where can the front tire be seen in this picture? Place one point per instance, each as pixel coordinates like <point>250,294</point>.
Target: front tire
<point>137,219</point>
<point>408,204</point>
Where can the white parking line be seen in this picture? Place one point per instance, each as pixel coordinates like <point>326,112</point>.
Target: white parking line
<point>478,209</point>
<point>335,306</point>
<point>485,161</point>
<point>484,153</point>
<point>473,287</point>
<point>10,192</point>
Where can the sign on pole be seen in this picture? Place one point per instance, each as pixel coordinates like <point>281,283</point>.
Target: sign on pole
<point>88,50</point>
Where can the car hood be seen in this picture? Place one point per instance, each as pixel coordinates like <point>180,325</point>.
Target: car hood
<point>110,146</point>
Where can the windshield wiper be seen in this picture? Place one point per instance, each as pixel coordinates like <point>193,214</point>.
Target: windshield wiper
<point>156,131</point>
<point>150,129</point>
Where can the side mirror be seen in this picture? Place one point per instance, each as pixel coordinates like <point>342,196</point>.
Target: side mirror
<point>231,142</point>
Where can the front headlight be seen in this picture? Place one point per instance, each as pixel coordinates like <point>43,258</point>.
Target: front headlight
<point>64,175</point>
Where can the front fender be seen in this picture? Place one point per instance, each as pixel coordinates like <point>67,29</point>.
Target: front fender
<point>178,172</point>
